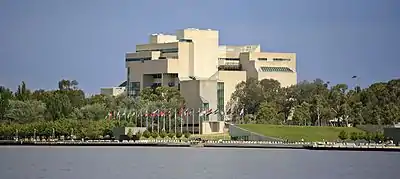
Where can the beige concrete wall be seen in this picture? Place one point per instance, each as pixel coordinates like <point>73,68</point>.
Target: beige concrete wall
<point>112,91</point>
<point>215,127</point>
<point>162,38</point>
<point>286,79</point>
<point>230,79</point>
<point>144,54</point>
<point>205,51</point>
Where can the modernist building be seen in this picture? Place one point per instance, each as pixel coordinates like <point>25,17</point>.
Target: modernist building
<point>205,71</point>
<point>114,91</point>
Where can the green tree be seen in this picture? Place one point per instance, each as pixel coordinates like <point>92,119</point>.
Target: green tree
<point>5,96</point>
<point>302,114</point>
<point>25,111</point>
<point>267,114</point>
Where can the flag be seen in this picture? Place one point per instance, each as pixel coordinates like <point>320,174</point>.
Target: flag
<point>242,112</point>
<point>216,111</point>
<point>208,112</point>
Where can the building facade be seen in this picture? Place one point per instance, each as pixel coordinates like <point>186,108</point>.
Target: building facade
<point>204,71</point>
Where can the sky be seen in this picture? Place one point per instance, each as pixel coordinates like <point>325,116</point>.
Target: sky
<point>42,42</point>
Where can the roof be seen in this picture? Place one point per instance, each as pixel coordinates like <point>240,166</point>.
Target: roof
<point>123,84</point>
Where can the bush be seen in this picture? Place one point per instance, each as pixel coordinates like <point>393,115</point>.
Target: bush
<point>343,135</point>
<point>171,135</point>
<point>163,134</point>
<point>130,133</point>
<point>146,134</point>
<point>187,135</point>
<point>154,135</point>
<point>354,136</point>
<point>178,135</point>
<point>138,135</point>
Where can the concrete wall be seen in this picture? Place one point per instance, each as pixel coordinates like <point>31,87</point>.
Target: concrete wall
<point>118,131</point>
<point>236,131</point>
<point>113,91</point>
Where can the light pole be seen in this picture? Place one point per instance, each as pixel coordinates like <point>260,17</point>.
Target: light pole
<point>34,134</point>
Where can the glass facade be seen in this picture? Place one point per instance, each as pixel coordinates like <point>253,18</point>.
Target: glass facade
<point>205,106</point>
<point>133,89</point>
<point>220,100</point>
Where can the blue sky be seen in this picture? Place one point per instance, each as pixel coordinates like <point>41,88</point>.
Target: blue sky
<point>44,41</point>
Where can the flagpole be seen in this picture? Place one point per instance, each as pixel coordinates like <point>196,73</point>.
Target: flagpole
<point>141,118</point>
<point>182,121</point>
<point>175,120</point>
<point>158,122</point>
<point>193,121</point>
<point>164,122</point>
<point>187,121</point>
<point>152,123</point>
<point>200,120</point>
<point>169,121</point>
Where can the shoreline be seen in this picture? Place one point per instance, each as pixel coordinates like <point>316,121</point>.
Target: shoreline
<point>167,144</point>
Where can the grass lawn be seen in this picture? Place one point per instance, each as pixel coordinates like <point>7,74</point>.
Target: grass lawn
<point>296,133</point>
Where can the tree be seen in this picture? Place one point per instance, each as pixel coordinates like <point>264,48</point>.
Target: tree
<point>22,93</point>
<point>267,114</point>
<point>178,135</point>
<point>154,135</point>
<point>171,135</point>
<point>5,96</point>
<point>343,135</point>
<point>302,114</point>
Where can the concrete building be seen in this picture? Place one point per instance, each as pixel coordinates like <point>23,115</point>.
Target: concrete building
<point>205,71</point>
<point>114,91</point>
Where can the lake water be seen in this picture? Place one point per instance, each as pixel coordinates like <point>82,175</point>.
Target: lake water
<point>192,163</point>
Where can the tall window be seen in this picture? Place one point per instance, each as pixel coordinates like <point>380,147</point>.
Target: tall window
<point>205,106</point>
<point>220,100</point>
<point>133,88</point>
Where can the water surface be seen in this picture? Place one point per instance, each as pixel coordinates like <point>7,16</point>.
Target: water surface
<point>19,162</point>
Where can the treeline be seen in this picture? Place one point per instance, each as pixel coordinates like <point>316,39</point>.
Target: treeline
<point>315,103</point>
<point>66,110</point>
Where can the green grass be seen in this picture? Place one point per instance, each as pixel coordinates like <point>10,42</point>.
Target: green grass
<point>296,133</point>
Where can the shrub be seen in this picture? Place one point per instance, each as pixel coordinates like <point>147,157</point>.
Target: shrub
<point>178,135</point>
<point>146,134</point>
<point>343,135</point>
<point>354,136</point>
<point>171,135</point>
<point>154,135</point>
<point>187,135</point>
<point>163,134</point>
<point>130,133</point>
<point>138,135</point>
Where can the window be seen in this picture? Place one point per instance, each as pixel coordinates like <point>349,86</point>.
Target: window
<point>133,89</point>
<point>136,59</point>
<point>281,59</point>
<point>232,59</point>
<point>220,100</point>
<point>263,59</point>
<point>275,69</point>
<point>205,106</point>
